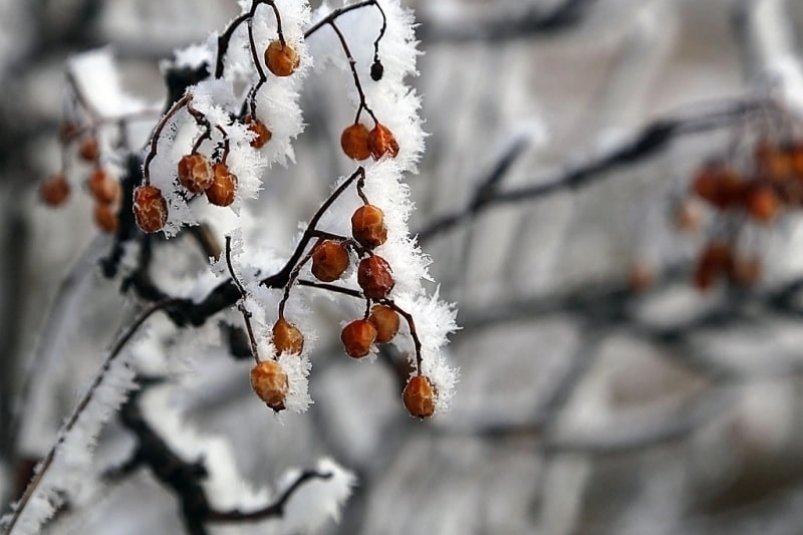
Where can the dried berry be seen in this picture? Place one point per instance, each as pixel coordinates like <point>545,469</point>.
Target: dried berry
<point>773,162</point>
<point>375,277</point>
<point>714,261</point>
<point>419,397</point>
<point>358,337</point>
<point>195,173</point>
<point>795,154</point>
<point>270,383</point>
<point>282,60</point>
<point>719,185</point>
<point>261,133</point>
<point>386,322</point>
<point>224,186</point>
<point>106,218</point>
<point>89,149</point>
<point>287,338</point>
<point>104,187</point>
<point>368,226</point>
<point>54,190</point>
<point>377,70</point>
<point>150,209</point>
<point>381,142</point>
<point>355,141</point>
<point>689,216</point>
<point>330,259</point>
<point>762,202</point>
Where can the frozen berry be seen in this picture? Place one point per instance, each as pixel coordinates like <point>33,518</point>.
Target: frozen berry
<point>270,383</point>
<point>195,173</point>
<point>330,259</point>
<point>762,202</point>
<point>382,142</point>
<point>375,277</point>
<point>746,271</point>
<point>773,162</point>
<point>282,60</point>
<point>368,226</point>
<point>287,338</point>
<point>261,133</point>
<point>150,209</point>
<point>386,322</point>
<point>55,190</point>
<point>106,218</point>
<point>358,337</point>
<point>641,277</point>
<point>104,187</point>
<point>224,186</point>
<point>689,216</point>
<point>377,70</point>
<point>714,261</point>
<point>89,149</point>
<point>355,141</point>
<point>419,397</point>
<point>719,185</point>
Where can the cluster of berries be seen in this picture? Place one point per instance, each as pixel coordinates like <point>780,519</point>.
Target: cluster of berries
<point>769,183</point>
<point>103,187</point>
<point>196,172</point>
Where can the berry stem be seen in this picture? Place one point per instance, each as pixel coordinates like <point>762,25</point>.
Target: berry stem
<point>241,305</point>
<point>157,133</point>
<point>353,66</point>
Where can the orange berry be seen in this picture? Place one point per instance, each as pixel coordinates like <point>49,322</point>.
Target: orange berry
<point>795,154</point>
<point>150,209</point>
<point>419,397</point>
<point>106,218</point>
<point>386,322</point>
<point>368,226</point>
<point>89,149</point>
<point>358,337</point>
<point>330,259</point>
<point>381,142</point>
<point>719,185</point>
<point>287,338</point>
<point>54,190</point>
<point>195,173</point>
<point>270,383</point>
<point>103,187</point>
<point>773,162</point>
<point>224,186</point>
<point>355,141</point>
<point>762,202</point>
<point>714,261</point>
<point>281,60</point>
<point>261,133</point>
<point>375,277</point>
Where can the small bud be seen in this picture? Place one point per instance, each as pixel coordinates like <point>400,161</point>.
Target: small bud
<point>355,141</point>
<point>281,60</point>
<point>287,338</point>
<point>195,173</point>
<point>382,142</point>
<point>419,397</point>
<point>386,322</point>
<point>377,70</point>
<point>368,226</point>
<point>106,218</point>
<point>330,259</point>
<point>103,187</point>
<point>270,383</point>
<point>358,338</point>
<point>762,202</point>
<point>714,261</point>
<point>89,149</point>
<point>261,133</point>
<point>55,190</point>
<point>150,209</point>
<point>224,186</point>
<point>375,277</point>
